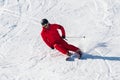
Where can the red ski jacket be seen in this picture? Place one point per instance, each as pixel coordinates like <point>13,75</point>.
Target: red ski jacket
<point>51,35</point>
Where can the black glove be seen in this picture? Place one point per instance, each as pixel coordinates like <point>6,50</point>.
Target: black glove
<point>63,37</point>
<point>52,47</point>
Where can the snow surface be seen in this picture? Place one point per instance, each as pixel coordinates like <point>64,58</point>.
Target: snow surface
<point>24,56</point>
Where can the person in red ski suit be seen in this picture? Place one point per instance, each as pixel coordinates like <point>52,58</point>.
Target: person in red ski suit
<point>53,39</point>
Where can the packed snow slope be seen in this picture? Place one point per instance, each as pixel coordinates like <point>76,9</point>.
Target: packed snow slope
<point>24,55</point>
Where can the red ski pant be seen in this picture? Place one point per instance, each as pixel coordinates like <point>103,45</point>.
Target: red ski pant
<point>64,47</point>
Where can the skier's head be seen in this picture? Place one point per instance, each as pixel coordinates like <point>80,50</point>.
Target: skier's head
<point>44,22</point>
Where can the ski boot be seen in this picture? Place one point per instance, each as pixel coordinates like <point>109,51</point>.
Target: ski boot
<point>69,56</point>
<point>79,54</point>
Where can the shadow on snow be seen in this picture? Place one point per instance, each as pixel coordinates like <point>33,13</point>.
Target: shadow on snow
<point>90,56</point>
<point>86,56</point>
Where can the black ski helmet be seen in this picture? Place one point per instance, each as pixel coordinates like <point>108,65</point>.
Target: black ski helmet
<point>44,21</point>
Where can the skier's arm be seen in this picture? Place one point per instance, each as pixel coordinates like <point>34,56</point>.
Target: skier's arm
<point>62,30</point>
<point>46,41</point>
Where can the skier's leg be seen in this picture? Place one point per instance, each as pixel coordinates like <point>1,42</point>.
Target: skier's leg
<point>72,48</point>
<point>75,49</point>
<point>68,46</point>
<point>60,48</point>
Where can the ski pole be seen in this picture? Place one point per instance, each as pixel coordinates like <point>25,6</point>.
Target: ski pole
<point>75,37</point>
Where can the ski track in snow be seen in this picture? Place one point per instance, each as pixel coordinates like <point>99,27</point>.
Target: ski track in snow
<point>24,56</point>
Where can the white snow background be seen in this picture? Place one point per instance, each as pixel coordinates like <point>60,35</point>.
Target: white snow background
<point>24,55</point>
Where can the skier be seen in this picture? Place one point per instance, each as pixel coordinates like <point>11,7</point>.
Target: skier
<point>52,38</point>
